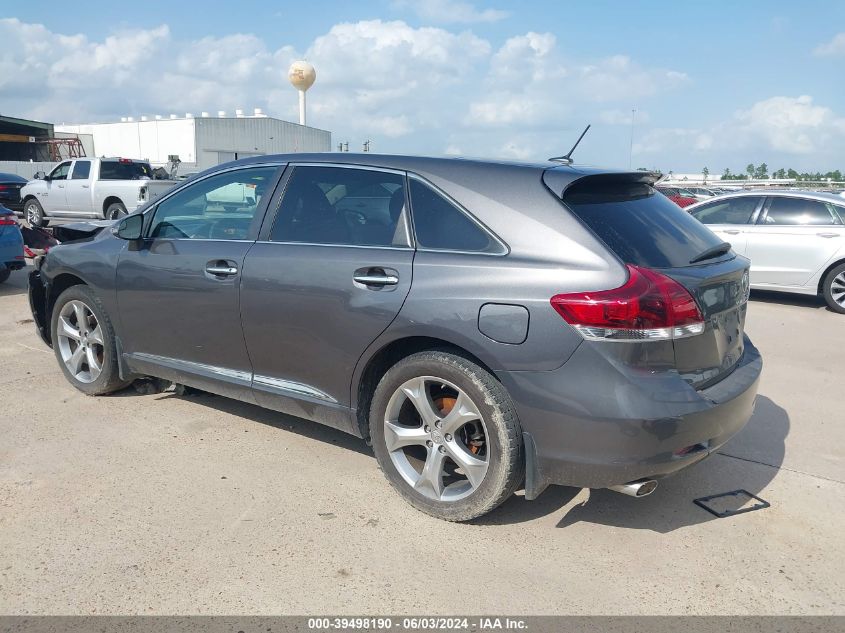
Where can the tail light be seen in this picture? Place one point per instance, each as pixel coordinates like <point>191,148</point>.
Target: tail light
<point>142,194</point>
<point>649,306</point>
<point>8,220</point>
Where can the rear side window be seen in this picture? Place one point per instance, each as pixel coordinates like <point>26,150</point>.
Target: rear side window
<point>117,170</point>
<point>81,170</point>
<point>728,211</point>
<point>440,225</point>
<point>800,212</point>
<point>344,206</point>
<point>642,227</point>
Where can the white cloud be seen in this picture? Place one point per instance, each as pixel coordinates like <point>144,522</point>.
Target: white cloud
<point>407,89</point>
<point>623,117</point>
<point>789,126</point>
<point>834,47</point>
<point>449,12</point>
<point>660,140</point>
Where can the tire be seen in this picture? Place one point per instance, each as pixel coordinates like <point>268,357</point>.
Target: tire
<point>34,213</point>
<point>484,407</point>
<point>115,211</point>
<point>75,304</point>
<point>833,288</point>
<point>4,274</point>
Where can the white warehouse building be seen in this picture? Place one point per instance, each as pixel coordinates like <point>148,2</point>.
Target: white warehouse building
<point>200,142</point>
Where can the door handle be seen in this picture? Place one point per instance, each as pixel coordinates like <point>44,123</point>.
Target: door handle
<point>828,234</point>
<point>222,269</point>
<point>85,186</point>
<point>732,231</point>
<point>374,278</point>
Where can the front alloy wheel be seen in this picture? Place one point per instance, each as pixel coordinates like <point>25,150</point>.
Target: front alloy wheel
<point>34,214</point>
<point>80,341</point>
<point>84,342</point>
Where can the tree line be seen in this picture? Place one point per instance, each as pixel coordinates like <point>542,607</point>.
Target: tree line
<point>761,172</point>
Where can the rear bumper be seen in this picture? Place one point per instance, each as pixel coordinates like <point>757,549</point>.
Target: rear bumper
<point>593,425</point>
<point>11,249</point>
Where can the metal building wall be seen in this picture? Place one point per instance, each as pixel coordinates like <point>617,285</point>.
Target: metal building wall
<point>23,168</point>
<point>152,140</point>
<point>221,139</point>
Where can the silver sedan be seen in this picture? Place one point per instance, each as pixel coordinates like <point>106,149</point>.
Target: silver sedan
<point>795,239</point>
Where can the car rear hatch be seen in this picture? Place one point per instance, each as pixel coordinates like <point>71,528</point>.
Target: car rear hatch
<point>649,233</point>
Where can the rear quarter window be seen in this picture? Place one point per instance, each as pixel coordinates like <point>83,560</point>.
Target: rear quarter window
<point>440,225</point>
<point>640,226</point>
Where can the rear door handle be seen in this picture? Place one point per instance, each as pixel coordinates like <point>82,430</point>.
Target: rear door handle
<point>375,277</point>
<point>828,234</point>
<point>732,231</point>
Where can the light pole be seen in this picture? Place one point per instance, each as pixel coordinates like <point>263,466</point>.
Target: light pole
<point>631,148</point>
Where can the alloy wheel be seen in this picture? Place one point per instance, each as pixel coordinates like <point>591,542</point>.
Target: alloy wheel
<point>436,438</point>
<point>80,341</point>
<point>837,289</point>
<point>32,215</point>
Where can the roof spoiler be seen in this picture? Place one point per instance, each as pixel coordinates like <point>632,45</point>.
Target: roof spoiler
<point>559,181</point>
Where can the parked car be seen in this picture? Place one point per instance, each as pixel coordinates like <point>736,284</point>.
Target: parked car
<point>11,244</point>
<point>106,188</point>
<point>677,196</point>
<point>479,323</point>
<point>10,191</point>
<point>700,193</point>
<point>795,239</point>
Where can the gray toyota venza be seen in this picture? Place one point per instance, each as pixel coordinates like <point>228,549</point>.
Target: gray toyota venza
<point>484,325</point>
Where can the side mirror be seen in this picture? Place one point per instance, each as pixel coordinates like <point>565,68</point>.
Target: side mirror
<point>130,227</point>
<point>40,175</point>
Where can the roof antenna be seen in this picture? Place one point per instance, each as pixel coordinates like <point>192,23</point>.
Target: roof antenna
<point>566,159</point>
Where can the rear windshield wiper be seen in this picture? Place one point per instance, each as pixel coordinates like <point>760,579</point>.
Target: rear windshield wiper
<point>710,253</point>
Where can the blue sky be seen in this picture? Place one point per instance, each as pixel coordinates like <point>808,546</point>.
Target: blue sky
<point>718,84</point>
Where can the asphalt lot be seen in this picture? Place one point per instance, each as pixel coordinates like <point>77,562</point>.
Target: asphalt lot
<point>162,504</point>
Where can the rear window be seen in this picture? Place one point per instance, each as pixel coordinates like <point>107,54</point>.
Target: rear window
<point>642,227</point>
<point>114,170</point>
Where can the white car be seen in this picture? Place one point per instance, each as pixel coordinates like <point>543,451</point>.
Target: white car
<point>105,188</point>
<point>701,193</point>
<point>794,239</point>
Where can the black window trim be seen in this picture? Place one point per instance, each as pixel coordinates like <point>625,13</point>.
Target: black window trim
<point>764,212</point>
<point>257,221</point>
<point>267,229</point>
<point>504,249</point>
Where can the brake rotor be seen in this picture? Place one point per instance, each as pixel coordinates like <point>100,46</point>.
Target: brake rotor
<point>475,440</point>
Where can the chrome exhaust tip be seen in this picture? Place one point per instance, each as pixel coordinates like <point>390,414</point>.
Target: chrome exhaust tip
<point>641,488</point>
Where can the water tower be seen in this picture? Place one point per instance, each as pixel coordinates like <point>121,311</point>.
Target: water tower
<point>302,75</point>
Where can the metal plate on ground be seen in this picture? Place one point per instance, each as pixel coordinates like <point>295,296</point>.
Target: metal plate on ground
<point>728,504</point>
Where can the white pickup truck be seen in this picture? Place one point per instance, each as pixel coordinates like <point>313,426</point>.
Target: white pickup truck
<point>106,188</point>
